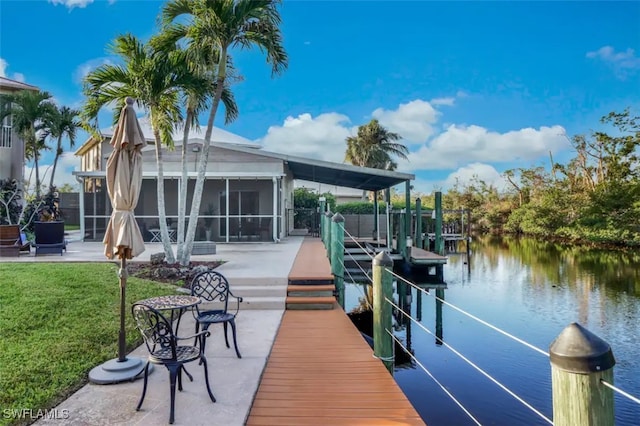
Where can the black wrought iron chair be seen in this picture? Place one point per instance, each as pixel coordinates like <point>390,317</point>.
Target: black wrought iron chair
<point>164,349</point>
<point>210,287</point>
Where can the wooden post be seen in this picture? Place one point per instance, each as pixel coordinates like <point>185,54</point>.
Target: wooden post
<point>376,217</point>
<point>468,235</point>
<point>439,246</point>
<point>401,242</point>
<point>579,360</point>
<point>407,221</point>
<point>439,295</point>
<point>387,196</point>
<point>327,241</point>
<point>382,289</point>
<point>322,201</point>
<point>418,242</point>
<point>337,255</point>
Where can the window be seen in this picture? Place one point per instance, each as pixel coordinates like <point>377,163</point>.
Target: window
<point>5,132</point>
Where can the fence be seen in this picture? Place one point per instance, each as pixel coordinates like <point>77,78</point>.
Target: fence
<point>581,362</point>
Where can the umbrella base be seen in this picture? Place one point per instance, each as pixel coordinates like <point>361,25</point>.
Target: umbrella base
<point>114,371</point>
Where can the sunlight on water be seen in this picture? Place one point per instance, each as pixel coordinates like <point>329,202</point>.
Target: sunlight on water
<point>532,290</point>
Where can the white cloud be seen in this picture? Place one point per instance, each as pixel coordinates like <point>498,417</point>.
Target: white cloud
<point>481,171</point>
<point>85,68</point>
<point>17,76</point>
<point>443,101</point>
<point>464,175</point>
<point>3,67</point>
<point>463,151</point>
<point>413,121</point>
<point>72,3</point>
<point>622,63</point>
<point>459,145</point>
<point>322,137</point>
<point>67,163</point>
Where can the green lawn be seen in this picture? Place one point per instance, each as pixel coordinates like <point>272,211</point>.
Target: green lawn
<point>57,321</point>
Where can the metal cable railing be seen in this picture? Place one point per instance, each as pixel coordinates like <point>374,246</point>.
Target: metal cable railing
<point>475,318</point>
<point>471,363</point>
<point>364,296</point>
<point>357,264</point>
<point>445,390</point>
<point>481,321</point>
<point>620,392</point>
<point>505,333</point>
<point>364,249</point>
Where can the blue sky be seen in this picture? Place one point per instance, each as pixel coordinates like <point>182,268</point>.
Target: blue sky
<point>474,88</point>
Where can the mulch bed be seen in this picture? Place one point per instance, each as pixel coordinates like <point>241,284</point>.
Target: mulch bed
<point>170,273</point>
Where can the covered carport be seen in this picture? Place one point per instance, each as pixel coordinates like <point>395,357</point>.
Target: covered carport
<point>346,175</point>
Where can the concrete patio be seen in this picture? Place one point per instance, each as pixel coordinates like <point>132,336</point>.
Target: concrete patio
<point>258,271</point>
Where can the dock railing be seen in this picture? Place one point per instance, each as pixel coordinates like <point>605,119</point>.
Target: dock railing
<point>581,362</point>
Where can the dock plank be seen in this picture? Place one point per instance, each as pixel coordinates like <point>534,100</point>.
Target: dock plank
<point>321,371</point>
<point>311,264</point>
<point>420,256</point>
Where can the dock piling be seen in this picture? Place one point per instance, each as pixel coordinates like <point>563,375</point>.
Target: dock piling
<point>382,289</point>
<point>579,361</point>
<point>337,255</point>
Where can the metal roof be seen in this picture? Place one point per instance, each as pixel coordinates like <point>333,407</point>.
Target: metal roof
<point>331,173</point>
<point>13,85</point>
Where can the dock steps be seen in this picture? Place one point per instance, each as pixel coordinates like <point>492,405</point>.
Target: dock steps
<point>310,279</point>
<point>310,303</point>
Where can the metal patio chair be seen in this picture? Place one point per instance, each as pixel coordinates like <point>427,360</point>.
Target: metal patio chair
<point>164,349</point>
<point>211,286</point>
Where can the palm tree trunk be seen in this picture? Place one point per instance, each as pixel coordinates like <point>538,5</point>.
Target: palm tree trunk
<point>55,162</point>
<point>204,159</point>
<point>35,166</point>
<point>162,215</point>
<point>182,195</point>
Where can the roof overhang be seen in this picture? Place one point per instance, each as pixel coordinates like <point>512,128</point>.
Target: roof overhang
<point>333,173</point>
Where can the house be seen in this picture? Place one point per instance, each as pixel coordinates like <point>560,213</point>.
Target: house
<point>248,192</point>
<point>12,147</point>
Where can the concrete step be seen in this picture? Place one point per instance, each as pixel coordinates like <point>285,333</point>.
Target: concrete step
<point>259,290</point>
<point>262,303</point>
<point>310,303</point>
<point>251,281</point>
<point>325,290</point>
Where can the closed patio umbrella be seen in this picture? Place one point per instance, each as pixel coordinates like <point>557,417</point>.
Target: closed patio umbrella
<point>123,239</point>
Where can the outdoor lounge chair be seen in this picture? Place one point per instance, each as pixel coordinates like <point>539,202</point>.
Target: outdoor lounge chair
<point>211,286</point>
<point>49,237</point>
<point>10,241</point>
<point>164,349</point>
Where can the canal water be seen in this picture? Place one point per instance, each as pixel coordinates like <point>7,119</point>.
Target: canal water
<point>530,289</point>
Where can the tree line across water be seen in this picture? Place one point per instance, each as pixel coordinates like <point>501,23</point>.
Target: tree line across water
<point>594,198</point>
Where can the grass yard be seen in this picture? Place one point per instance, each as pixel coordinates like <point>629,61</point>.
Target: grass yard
<point>57,321</point>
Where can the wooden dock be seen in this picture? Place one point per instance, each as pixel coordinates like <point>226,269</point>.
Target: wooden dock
<point>322,372</point>
<point>424,257</point>
<point>311,265</point>
<point>310,279</point>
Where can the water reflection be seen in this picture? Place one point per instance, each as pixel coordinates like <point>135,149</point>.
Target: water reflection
<point>532,289</point>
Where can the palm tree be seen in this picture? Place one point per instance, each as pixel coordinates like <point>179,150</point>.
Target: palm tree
<point>29,111</point>
<point>63,122</point>
<point>155,79</point>
<point>221,25</point>
<point>374,146</point>
<point>200,61</point>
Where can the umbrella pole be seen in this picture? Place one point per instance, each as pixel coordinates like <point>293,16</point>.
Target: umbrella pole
<point>122,273</point>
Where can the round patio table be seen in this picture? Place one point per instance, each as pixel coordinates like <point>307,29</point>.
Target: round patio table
<point>175,303</point>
